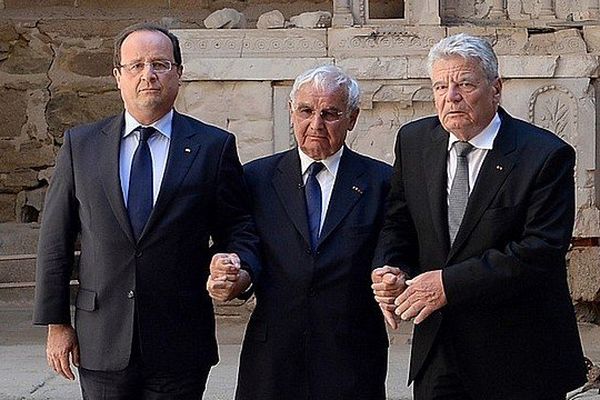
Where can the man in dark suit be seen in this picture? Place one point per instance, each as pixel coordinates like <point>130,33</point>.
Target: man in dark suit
<point>477,224</point>
<point>316,331</point>
<point>144,191</point>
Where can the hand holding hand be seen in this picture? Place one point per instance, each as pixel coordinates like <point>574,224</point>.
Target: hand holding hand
<point>226,280</point>
<point>424,295</point>
<point>62,348</point>
<point>388,283</point>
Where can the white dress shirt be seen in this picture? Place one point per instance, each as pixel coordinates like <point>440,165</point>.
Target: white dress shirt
<point>159,144</point>
<point>482,143</point>
<point>326,177</point>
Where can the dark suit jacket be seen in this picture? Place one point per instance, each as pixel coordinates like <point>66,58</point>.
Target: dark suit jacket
<point>316,331</point>
<point>509,314</point>
<point>162,276</point>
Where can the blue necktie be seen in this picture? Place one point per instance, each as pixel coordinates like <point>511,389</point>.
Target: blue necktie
<point>140,197</point>
<point>312,191</point>
<point>459,192</point>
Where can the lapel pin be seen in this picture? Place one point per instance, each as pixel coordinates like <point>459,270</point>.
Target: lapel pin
<point>187,150</point>
<point>499,167</point>
<point>357,189</point>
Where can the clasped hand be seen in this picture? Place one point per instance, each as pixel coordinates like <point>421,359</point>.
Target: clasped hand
<point>226,280</point>
<point>414,299</point>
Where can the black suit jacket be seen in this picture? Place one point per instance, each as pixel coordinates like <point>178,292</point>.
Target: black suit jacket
<point>316,331</point>
<point>161,278</point>
<point>509,314</point>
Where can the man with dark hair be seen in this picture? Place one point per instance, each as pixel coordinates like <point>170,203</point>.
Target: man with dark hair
<point>143,190</point>
<point>478,221</point>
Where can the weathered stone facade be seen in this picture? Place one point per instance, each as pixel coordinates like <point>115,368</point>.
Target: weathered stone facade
<point>55,68</point>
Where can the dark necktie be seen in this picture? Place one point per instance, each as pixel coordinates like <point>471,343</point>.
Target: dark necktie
<point>140,197</point>
<point>459,192</point>
<point>312,191</point>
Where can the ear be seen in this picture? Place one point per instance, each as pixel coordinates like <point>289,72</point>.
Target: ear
<point>117,75</point>
<point>497,86</point>
<point>353,118</point>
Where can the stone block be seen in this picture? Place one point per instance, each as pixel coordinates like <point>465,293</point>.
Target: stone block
<point>584,274</point>
<point>271,20</point>
<point>226,18</point>
<point>527,67</point>
<point>18,239</point>
<point>567,41</point>
<point>369,68</point>
<point>29,205</point>
<point>67,109</point>
<point>506,41</point>
<point>13,104</point>
<point>311,20</point>
<point>251,43</point>
<point>28,55</point>
<point>247,69</point>
<point>92,62</point>
<point>254,138</point>
<point>381,42</point>
<point>31,154</point>
<point>591,35</point>
<point>7,207</point>
<point>15,181</point>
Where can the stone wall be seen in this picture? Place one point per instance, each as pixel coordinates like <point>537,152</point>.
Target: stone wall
<point>55,72</point>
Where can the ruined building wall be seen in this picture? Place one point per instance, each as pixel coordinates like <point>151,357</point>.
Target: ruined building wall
<point>55,72</point>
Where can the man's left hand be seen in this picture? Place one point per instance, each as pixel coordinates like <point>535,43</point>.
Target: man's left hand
<point>424,295</point>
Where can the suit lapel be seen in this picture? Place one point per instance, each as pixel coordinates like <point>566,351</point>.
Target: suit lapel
<point>109,143</point>
<point>496,167</point>
<point>347,190</point>
<point>434,163</point>
<point>287,182</point>
<point>183,150</point>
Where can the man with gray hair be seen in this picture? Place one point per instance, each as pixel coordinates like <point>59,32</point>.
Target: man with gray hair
<point>477,225</point>
<point>316,331</point>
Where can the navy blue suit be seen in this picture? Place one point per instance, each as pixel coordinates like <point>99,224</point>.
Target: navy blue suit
<point>159,279</point>
<point>316,331</point>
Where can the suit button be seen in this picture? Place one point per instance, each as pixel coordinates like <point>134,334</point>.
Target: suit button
<point>130,294</point>
<point>138,254</point>
<point>307,250</point>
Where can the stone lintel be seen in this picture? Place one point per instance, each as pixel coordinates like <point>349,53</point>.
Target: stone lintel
<point>505,40</point>
<point>248,69</point>
<point>252,43</point>
<point>552,66</point>
<point>383,41</point>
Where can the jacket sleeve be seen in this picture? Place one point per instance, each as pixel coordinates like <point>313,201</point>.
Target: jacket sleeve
<point>59,229</point>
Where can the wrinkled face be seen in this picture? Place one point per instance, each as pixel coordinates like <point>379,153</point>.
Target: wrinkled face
<point>464,99</point>
<point>147,94</point>
<point>321,120</point>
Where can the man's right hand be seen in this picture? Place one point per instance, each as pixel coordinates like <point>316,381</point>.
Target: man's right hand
<point>62,348</point>
<point>388,283</point>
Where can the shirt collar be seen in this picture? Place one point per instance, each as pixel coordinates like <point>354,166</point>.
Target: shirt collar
<point>485,139</point>
<point>331,163</point>
<point>163,125</point>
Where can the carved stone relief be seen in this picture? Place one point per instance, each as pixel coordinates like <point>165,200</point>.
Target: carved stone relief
<point>555,108</point>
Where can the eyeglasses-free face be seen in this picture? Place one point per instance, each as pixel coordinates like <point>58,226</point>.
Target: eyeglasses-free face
<point>321,120</point>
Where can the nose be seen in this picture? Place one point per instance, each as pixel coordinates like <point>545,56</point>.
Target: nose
<point>317,121</point>
<point>148,73</point>
<point>453,94</point>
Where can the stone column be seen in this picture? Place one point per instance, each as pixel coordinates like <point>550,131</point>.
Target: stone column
<point>547,9</point>
<point>498,10</point>
<point>342,14</point>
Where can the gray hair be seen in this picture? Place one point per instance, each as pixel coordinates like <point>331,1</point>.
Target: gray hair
<point>329,77</point>
<point>466,46</point>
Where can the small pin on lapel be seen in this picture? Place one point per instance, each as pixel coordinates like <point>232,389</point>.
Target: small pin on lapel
<point>499,167</point>
<point>357,189</point>
<point>187,150</point>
